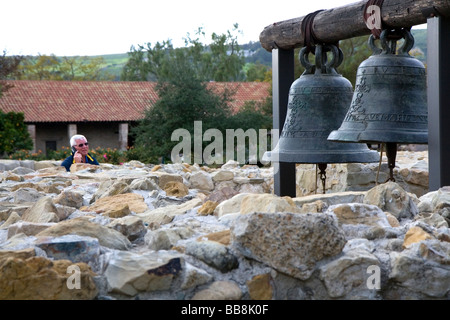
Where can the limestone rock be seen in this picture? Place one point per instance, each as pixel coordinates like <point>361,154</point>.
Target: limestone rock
<point>16,254</point>
<point>130,273</point>
<point>27,228</point>
<point>165,239</point>
<point>220,290</point>
<point>176,189</point>
<point>193,277</point>
<point>392,198</point>
<point>156,217</point>
<point>415,234</point>
<point>119,211</point>
<point>83,166</point>
<point>332,198</point>
<point>13,218</point>
<point>201,180</point>
<point>267,203</point>
<point>347,275</point>
<point>83,227</point>
<point>289,242</point>
<point>131,227</point>
<point>358,213</point>
<point>144,184</point>
<point>432,218</point>
<point>43,211</point>
<point>260,287</point>
<point>441,198</point>
<point>221,194</point>
<point>111,188</point>
<point>393,221</point>
<point>38,278</point>
<point>71,198</point>
<point>223,237</point>
<point>10,176</point>
<point>134,201</point>
<point>207,208</point>
<point>70,247</point>
<point>232,205</point>
<point>213,254</point>
<point>24,195</point>
<point>164,178</point>
<point>424,271</point>
<point>222,175</point>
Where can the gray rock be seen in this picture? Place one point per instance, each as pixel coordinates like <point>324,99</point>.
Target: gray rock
<point>290,242</point>
<point>130,273</point>
<point>213,254</point>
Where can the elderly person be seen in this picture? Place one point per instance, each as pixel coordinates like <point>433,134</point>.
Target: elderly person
<point>80,152</point>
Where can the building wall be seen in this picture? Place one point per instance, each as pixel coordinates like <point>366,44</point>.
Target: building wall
<point>99,134</point>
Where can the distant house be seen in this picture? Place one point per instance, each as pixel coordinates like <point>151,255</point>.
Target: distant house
<point>102,111</point>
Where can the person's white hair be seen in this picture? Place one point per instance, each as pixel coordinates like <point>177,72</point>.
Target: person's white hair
<point>76,137</point>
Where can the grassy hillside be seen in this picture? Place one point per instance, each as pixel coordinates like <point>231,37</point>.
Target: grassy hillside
<point>114,63</point>
<point>254,53</point>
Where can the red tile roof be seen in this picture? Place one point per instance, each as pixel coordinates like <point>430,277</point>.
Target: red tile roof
<point>77,101</point>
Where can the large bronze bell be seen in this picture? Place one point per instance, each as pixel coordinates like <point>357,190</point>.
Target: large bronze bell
<point>389,104</point>
<point>318,102</point>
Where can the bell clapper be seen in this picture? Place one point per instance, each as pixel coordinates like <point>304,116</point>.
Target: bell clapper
<point>323,175</point>
<point>391,153</point>
<point>379,163</point>
<point>315,190</point>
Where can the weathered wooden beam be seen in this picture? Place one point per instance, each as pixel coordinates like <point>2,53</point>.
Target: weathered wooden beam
<point>346,22</point>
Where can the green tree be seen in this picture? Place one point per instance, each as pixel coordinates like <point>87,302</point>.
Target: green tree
<point>222,60</point>
<point>355,51</point>
<point>82,69</point>
<point>44,67</point>
<point>256,71</point>
<point>41,67</point>
<point>14,135</point>
<point>183,99</point>
<point>8,68</point>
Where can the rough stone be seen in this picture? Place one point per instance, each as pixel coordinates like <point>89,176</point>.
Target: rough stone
<point>213,254</point>
<point>289,242</point>
<point>38,278</point>
<point>176,189</point>
<point>220,290</point>
<point>207,208</point>
<point>415,234</point>
<point>260,287</point>
<point>83,227</point>
<point>71,198</point>
<point>392,198</point>
<point>130,273</point>
<point>267,203</point>
<point>134,201</point>
<point>43,211</point>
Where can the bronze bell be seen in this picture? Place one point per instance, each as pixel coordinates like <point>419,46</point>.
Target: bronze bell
<point>389,104</point>
<point>318,102</point>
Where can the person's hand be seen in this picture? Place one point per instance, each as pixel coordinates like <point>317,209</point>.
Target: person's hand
<point>77,157</point>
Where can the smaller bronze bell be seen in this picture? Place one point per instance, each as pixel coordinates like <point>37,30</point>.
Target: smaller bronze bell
<point>389,105</point>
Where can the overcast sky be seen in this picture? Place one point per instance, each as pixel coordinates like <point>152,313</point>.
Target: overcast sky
<point>96,27</point>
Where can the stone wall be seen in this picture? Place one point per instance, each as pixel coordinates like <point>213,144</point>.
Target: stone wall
<point>411,173</point>
<point>185,232</point>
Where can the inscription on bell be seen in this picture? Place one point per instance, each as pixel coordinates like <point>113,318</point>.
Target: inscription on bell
<point>412,118</point>
<point>309,90</point>
<point>394,70</point>
<point>304,134</point>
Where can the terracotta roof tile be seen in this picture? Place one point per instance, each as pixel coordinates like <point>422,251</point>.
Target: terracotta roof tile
<point>77,101</point>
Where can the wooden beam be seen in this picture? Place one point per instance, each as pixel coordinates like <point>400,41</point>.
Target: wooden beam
<point>346,22</point>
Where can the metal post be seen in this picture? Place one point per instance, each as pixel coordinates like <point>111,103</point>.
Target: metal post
<point>282,78</point>
<point>438,78</point>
